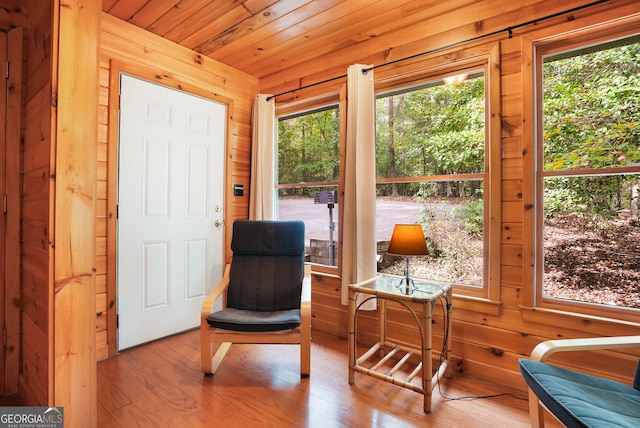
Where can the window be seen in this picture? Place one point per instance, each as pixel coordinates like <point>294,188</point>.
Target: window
<point>588,174</point>
<point>308,178</point>
<point>432,160</point>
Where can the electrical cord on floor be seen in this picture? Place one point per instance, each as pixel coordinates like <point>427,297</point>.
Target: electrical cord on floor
<point>445,315</point>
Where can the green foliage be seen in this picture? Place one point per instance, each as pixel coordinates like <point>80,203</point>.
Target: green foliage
<point>435,130</point>
<point>309,148</point>
<point>470,215</point>
<point>594,195</point>
<point>591,120</point>
<point>560,197</point>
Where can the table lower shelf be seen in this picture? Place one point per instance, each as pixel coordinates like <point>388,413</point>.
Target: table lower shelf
<point>381,371</point>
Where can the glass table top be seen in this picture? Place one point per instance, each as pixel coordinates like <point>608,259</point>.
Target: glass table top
<point>396,285</point>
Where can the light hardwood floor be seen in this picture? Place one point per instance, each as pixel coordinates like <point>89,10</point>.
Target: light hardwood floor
<point>160,385</point>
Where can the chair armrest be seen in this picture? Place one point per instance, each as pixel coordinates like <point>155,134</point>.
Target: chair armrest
<point>210,300</point>
<point>545,349</point>
<point>305,296</point>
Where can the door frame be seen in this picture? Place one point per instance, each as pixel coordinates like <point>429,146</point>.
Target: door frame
<point>168,80</point>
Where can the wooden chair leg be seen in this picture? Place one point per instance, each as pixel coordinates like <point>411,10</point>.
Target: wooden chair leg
<point>219,356</point>
<point>305,342</point>
<point>210,361</point>
<point>205,352</point>
<point>536,412</point>
<point>305,356</point>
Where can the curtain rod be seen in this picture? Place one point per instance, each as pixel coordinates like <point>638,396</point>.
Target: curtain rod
<point>508,30</point>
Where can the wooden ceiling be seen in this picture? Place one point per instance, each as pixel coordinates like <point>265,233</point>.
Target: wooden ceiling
<point>291,43</point>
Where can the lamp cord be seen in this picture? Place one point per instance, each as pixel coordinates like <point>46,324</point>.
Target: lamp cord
<point>445,316</point>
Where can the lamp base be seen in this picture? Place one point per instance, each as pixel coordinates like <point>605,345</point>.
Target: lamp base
<point>409,286</point>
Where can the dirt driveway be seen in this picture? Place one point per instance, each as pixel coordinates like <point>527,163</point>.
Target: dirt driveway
<point>316,216</point>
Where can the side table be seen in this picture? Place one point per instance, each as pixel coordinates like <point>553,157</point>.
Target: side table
<point>386,288</point>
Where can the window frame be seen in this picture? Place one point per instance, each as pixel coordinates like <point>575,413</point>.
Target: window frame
<point>326,102</point>
<point>483,57</point>
<point>445,63</point>
<point>540,49</point>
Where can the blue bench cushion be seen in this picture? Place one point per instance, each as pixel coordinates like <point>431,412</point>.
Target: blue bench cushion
<point>582,400</point>
<point>254,321</point>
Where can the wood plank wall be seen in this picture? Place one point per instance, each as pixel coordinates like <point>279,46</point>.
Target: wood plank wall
<point>128,48</point>
<point>13,152</point>
<point>13,21</point>
<point>72,377</point>
<point>36,312</point>
<point>488,339</point>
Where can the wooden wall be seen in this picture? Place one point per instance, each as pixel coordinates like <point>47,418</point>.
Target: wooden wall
<point>74,111</point>
<point>488,337</point>
<point>128,48</point>
<point>36,346</point>
<point>57,345</point>
<point>13,23</point>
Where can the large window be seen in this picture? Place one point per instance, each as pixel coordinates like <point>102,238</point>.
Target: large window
<point>437,164</point>
<point>308,178</point>
<point>589,174</point>
<point>431,159</point>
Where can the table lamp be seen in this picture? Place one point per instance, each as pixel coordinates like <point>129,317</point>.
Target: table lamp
<point>407,240</point>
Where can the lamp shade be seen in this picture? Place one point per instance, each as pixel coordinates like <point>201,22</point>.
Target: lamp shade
<point>408,240</point>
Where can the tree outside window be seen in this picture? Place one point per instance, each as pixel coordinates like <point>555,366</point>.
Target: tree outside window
<point>431,169</point>
<point>309,166</point>
<point>589,174</point>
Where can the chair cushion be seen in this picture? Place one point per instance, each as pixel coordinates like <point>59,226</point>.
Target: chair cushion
<point>269,238</point>
<point>581,400</point>
<point>267,266</point>
<point>253,321</point>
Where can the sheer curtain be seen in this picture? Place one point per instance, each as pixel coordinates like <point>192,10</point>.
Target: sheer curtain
<point>359,222</point>
<point>263,140</point>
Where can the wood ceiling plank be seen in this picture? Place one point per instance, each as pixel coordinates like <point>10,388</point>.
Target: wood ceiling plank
<point>108,4</point>
<point>252,41</point>
<point>282,40</point>
<point>255,6</point>
<point>152,11</point>
<point>125,9</point>
<point>429,22</point>
<point>205,17</point>
<point>426,35</point>
<point>377,33</point>
<point>312,39</point>
<point>216,26</point>
<point>296,25</point>
<point>233,34</point>
<point>180,12</point>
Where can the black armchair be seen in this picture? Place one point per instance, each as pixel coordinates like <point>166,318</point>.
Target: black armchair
<point>266,293</point>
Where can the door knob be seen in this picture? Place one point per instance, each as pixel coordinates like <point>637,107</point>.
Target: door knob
<point>218,223</point>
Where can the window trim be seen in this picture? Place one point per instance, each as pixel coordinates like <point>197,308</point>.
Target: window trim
<point>533,166</point>
<point>486,57</point>
<point>318,104</point>
<point>445,63</point>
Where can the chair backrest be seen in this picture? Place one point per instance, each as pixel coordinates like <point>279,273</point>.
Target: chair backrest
<point>267,267</point>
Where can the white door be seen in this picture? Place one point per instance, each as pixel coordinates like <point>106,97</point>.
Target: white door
<point>170,209</point>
